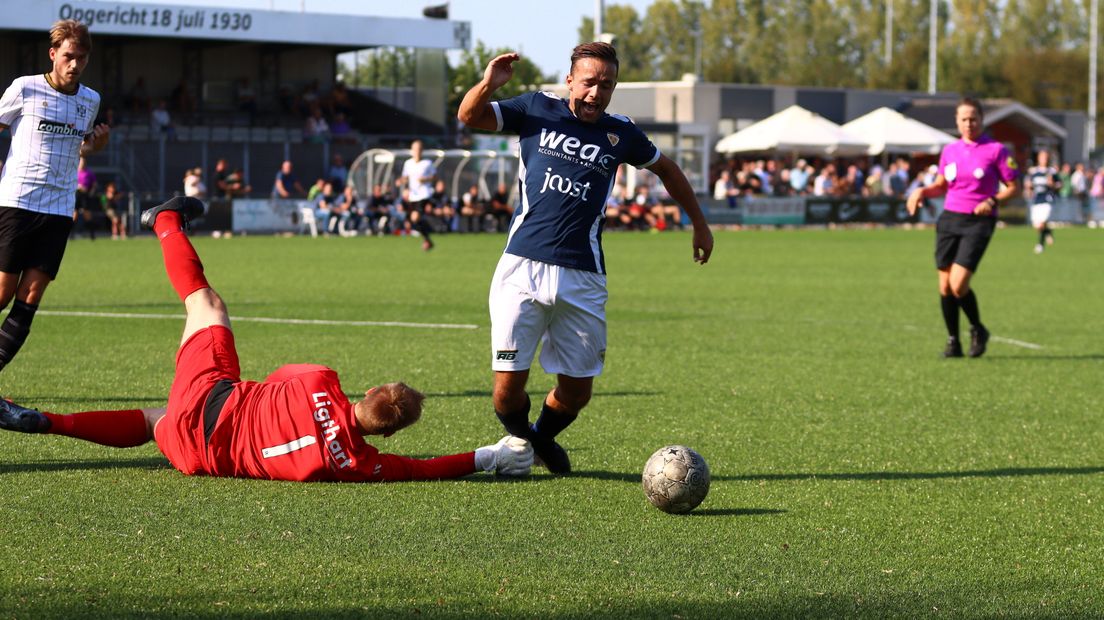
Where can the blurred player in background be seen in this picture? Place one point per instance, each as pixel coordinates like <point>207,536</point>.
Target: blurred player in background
<point>977,174</point>
<point>295,425</point>
<point>1041,188</point>
<point>51,117</point>
<point>418,175</point>
<point>550,284</point>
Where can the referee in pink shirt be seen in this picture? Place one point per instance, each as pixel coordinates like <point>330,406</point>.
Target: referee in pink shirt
<point>977,174</point>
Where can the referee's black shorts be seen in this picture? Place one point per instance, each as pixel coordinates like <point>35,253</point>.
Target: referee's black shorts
<point>30,240</point>
<point>961,238</point>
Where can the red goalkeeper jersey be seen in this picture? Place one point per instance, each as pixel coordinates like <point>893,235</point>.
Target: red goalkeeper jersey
<point>296,425</point>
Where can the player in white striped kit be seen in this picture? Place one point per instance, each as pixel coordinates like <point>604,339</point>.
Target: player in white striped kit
<point>52,118</point>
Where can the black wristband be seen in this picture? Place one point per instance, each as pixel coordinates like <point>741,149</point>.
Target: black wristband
<point>993,202</point>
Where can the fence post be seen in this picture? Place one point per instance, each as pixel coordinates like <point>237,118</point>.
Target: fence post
<point>161,164</point>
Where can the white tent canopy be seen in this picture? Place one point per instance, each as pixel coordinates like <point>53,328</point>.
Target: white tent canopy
<point>889,131</point>
<point>794,130</point>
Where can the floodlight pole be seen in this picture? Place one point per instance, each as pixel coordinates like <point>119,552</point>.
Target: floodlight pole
<point>933,18</point>
<point>599,10</point>
<point>697,34</point>
<point>1090,126</point>
<point>889,33</point>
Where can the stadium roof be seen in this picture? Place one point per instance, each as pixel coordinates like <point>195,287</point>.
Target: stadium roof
<point>940,113</point>
<point>239,24</point>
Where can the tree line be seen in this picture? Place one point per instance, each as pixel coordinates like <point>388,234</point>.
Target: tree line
<point>1034,51</point>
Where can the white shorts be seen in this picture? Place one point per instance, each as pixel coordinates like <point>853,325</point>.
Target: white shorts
<point>1040,213</point>
<point>562,309</point>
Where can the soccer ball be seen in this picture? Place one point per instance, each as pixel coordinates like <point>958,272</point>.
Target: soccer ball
<point>676,479</point>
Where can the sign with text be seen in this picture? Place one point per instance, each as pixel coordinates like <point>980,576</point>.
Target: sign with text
<point>238,24</point>
<point>268,215</point>
<point>846,210</point>
<point>773,211</point>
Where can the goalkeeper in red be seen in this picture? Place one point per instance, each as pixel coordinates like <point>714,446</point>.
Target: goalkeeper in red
<point>295,425</point>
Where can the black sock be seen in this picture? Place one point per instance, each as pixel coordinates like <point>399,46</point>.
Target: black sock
<point>423,229</point>
<point>14,330</point>
<point>552,422</point>
<point>516,422</point>
<point>950,314</point>
<point>969,305</point>
<point>1043,235</point>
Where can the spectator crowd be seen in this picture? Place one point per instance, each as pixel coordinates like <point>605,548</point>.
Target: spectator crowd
<point>323,116</point>
<point>736,177</point>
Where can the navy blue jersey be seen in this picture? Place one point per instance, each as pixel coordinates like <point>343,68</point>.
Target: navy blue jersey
<point>567,171</point>
<point>1043,183</point>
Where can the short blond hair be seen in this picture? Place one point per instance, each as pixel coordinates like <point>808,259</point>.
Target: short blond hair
<point>70,30</point>
<point>390,408</point>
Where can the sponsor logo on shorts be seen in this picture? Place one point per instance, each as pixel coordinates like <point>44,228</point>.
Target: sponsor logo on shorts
<point>506,356</point>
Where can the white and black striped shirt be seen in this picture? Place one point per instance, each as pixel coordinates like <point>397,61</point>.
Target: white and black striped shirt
<point>47,128</point>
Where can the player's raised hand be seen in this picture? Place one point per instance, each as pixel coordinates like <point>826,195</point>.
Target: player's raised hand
<point>500,70</point>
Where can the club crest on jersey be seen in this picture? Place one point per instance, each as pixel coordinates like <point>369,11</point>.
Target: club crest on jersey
<point>81,111</point>
<point>613,138</point>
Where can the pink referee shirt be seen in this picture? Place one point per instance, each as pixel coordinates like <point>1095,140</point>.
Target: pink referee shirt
<point>974,171</point>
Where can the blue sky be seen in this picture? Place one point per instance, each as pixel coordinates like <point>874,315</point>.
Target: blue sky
<point>543,30</point>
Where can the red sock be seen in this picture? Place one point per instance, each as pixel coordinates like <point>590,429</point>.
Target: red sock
<point>181,261</point>
<point>119,429</point>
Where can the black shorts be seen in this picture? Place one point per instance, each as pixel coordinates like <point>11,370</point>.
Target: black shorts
<point>30,240</point>
<point>212,407</point>
<point>961,238</point>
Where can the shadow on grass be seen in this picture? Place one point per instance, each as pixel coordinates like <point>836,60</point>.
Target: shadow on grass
<point>113,306</point>
<point>207,595</point>
<point>150,463</point>
<point>734,512</point>
<point>28,400</point>
<point>1059,358</point>
<point>487,394</point>
<point>1005,472</point>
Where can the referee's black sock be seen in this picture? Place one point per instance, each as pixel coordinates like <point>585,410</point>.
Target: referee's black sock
<point>14,330</point>
<point>950,314</point>
<point>517,422</point>
<point>969,305</point>
<point>552,422</point>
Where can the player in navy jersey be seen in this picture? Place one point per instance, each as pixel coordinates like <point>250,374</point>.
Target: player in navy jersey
<point>297,424</point>
<point>51,117</point>
<point>1041,187</point>
<point>550,284</point>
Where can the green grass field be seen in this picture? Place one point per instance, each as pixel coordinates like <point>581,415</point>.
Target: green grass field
<point>855,473</point>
